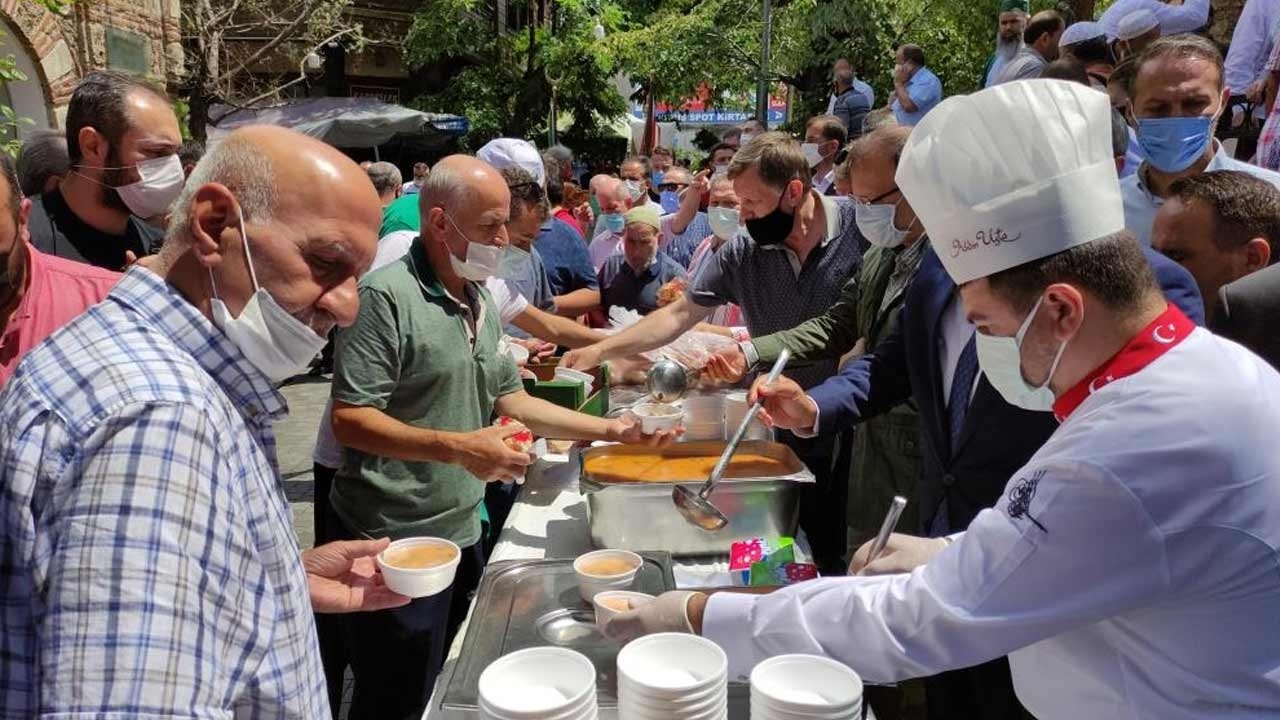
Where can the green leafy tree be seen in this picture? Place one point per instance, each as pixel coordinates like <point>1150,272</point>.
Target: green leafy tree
<point>10,121</point>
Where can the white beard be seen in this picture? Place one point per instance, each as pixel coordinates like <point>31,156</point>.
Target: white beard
<point>1007,50</point>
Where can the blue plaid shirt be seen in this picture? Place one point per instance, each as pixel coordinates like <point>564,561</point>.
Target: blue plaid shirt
<point>148,566</point>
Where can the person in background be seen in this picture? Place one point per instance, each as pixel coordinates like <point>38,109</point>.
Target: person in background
<point>420,171</point>
<point>1188,16</point>
<point>1066,68</point>
<point>122,141</point>
<point>1135,32</point>
<point>1012,23</point>
<point>386,182</point>
<point>660,161</point>
<point>568,264</point>
<point>39,293</point>
<point>417,381</point>
<point>563,157</point>
<point>1176,96</point>
<point>42,162</point>
<point>597,182</point>
<point>686,226</point>
<point>848,104</point>
<point>799,250</point>
<point>634,172</point>
<point>615,200</point>
<point>1252,40</point>
<point>521,268</point>
<point>916,90</point>
<point>724,217</point>
<point>1086,43</point>
<point>145,518</point>
<point>721,155</point>
<point>1246,312</point>
<point>732,137</point>
<point>1220,226</point>
<point>556,196</point>
<point>1039,48</point>
<point>632,279</point>
<point>824,136</point>
<point>190,154</point>
<point>752,129</point>
<point>1268,151</point>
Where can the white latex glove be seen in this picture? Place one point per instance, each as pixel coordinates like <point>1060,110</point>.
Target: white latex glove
<point>668,613</point>
<point>902,554</point>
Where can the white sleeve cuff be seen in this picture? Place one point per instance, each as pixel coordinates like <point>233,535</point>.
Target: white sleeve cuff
<point>726,621</point>
<point>817,424</point>
<point>749,352</point>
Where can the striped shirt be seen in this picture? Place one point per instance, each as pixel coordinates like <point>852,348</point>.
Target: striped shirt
<point>147,562</point>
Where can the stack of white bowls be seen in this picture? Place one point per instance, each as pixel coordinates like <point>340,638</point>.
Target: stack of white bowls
<point>542,683</point>
<point>703,418</point>
<point>673,676</point>
<point>804,687</point>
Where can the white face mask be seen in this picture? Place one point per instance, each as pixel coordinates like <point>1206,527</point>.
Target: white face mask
<point>812,153</point>
<point>482,261</point>
<point>725,222</point>
<point>635,190</point>
<point>278,344</point>
<point>876,224</point>
<point>746,138</point>
<point>1001,361</point>
<point>515,263</point>
<point>160,184</point>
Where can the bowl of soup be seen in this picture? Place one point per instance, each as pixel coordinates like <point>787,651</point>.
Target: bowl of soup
<point>657,416</point>
<point>421,566</point>
<point>613,602</point>
<point>603,570</point>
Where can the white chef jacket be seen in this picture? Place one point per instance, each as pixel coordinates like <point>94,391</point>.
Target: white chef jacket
<point>1130,571</point>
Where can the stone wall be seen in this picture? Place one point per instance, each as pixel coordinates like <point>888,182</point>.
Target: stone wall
<point>140,36</point>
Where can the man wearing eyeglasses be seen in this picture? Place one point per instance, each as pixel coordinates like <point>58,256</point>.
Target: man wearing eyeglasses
<point>683,225</point>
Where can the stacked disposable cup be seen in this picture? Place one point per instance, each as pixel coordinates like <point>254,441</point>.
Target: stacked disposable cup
<point>703,418</point>
<point>673,676</point>
<point>542,683</point>
<point>804,687</point>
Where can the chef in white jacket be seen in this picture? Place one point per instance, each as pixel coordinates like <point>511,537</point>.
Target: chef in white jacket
<point>1131,569</point>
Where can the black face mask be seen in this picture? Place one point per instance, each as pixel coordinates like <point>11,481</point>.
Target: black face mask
<point>772,229</point>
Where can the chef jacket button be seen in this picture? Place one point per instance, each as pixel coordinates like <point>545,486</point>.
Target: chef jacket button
<point>948,480</point>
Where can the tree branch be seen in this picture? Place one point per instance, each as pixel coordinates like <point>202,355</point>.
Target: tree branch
<point>285,34</point>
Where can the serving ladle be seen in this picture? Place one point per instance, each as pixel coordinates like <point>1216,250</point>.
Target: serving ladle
<point>694,506</point>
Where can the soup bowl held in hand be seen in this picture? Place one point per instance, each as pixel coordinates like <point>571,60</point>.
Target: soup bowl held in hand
<point>421,566</point>
<point>656,417</point>
<point>603,570</point>
<point>614,602</point>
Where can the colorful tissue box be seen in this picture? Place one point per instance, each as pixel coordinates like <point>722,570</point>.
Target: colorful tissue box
<point>767,562</point>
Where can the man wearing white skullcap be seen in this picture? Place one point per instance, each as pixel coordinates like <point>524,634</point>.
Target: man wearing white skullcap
<point>508,152</point>
<point>1130,565</point>
<point>1175,19</point>
<point>1135,32</point>
<point>1087,43</point>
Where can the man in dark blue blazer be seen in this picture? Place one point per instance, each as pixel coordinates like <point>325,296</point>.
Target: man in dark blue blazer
<point>963,470</point>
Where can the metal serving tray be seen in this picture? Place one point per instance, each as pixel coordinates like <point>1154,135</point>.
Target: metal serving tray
<point>531,603</point>
<point>640,516</point>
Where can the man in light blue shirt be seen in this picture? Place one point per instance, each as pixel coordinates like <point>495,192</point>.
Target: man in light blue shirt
<point>1176,96</point>
<point>916,90</point>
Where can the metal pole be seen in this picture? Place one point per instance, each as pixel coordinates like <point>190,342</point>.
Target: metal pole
<point>762,86</point>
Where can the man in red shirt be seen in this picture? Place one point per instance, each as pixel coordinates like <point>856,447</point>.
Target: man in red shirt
<point>39,293</point>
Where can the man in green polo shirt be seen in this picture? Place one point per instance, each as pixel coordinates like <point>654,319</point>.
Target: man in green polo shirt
<point>417,381</point>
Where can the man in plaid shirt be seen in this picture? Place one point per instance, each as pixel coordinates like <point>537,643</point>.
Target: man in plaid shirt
<point>147,562</point>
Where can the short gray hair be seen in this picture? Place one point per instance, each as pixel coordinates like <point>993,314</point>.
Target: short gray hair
<point>385,177</point>
<point>244,169</point>
<point>680,171</point>
<point>43,155</point>
<point>442,188</point>
<point>561,154</point>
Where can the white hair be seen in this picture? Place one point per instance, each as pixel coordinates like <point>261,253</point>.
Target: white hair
<point>442,188</point>
<point>244,169</point>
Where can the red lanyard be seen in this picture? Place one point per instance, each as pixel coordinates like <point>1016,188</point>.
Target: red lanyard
<point>1156,339</point>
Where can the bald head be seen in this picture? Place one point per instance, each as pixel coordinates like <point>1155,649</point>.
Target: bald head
<point>464,200</point>
<point>307,214</point>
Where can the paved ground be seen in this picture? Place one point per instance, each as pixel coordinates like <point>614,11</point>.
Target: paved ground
<point>296,437</point>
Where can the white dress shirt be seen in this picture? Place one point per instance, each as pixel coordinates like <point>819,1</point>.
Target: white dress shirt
<point>1130,571</point>
<point>1251,44</point>
<point>956,331</point>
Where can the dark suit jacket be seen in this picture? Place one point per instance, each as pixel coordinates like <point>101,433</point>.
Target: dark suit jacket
<point>1247,312</point>
<point>997,438</point>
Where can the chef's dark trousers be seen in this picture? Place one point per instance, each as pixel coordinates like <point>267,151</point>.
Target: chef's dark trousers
<point>333,654</point>
<point>982,692</point>
<point>395,655</point>
<point>822,504</point>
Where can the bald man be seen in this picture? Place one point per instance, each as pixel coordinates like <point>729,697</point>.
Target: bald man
<point>146,530</point>
<point>416,381</point>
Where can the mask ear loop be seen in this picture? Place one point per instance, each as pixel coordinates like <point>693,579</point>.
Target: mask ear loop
<point>248,254</point>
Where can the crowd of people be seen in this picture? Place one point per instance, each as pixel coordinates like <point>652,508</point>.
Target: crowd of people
<point>993,303</point>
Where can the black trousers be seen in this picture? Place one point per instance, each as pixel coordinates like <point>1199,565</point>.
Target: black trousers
<point>333,653</point>
<point>982,692</point>
<point>395,655</point>
<point>823,516</point>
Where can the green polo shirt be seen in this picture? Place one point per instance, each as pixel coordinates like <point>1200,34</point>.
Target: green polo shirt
<point>410,353</point>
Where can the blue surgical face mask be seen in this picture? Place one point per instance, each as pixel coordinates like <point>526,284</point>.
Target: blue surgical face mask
<point>1173,144</point>
<point>614,222</point>
<point>655,178</point>
<point>670,201</point>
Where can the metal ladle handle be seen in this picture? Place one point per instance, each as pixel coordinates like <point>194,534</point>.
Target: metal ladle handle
<point>886,528</point>
<point>723,464</point>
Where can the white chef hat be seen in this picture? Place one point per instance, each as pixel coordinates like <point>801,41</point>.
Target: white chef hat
<point>1081,31</point>
<point>1136,23</point>
<point>508,152</point>
<point>1011,174</point>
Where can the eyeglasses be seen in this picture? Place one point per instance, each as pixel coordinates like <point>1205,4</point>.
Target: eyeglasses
<point>676,186</point>
<point>879,197</point>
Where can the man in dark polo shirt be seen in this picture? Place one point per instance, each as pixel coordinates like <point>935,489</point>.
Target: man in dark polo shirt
<point>632,279</point>
<point>123,140</point>
<point>417,383</point>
